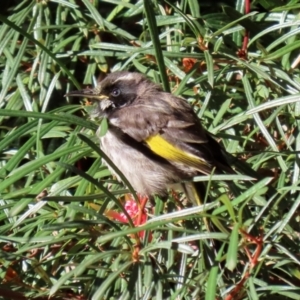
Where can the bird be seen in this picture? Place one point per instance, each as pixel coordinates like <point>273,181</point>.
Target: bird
<point>155,138</point>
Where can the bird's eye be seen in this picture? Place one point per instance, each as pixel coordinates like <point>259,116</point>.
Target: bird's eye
<point>115,92</point>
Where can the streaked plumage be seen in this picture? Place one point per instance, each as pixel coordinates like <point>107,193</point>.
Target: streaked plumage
<point>154,138</point>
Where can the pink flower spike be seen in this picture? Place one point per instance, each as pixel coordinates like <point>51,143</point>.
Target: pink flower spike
<point>131,207</point>
<point>117,216</point>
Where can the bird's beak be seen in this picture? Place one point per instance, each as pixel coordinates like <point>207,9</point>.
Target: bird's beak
<point>87,93</point>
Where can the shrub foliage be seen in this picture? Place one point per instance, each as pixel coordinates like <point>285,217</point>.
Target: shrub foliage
<point>64,231</point>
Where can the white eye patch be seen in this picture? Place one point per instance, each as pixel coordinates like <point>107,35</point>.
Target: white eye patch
<point>105,104</point>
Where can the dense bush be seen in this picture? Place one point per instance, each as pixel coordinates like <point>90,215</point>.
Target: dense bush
<point>62,232</point>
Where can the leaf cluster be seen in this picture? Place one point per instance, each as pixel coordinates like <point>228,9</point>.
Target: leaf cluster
<point>239,70</point>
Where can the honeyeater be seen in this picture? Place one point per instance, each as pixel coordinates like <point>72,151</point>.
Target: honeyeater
<point>153,137</point>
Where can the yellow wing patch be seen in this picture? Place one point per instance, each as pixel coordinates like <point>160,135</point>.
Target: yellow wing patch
<point>170,152</point>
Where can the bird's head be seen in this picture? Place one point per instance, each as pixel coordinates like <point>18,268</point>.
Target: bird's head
<point>117,90</point>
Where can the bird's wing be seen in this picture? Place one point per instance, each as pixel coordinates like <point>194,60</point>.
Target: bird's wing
<point>171,129</point>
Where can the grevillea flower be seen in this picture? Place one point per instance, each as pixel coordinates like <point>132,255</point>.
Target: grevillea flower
<point>137,213</point>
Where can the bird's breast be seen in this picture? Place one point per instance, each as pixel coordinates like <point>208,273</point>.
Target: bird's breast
<point>146,175</point>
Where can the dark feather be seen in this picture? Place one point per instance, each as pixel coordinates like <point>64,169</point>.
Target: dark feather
<point>174,119</point>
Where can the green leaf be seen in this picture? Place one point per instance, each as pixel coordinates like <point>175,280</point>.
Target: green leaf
<point>103,127</point>
<point>231,257</point>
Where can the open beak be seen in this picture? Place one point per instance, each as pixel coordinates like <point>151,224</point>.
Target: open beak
<point>87,93</point>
